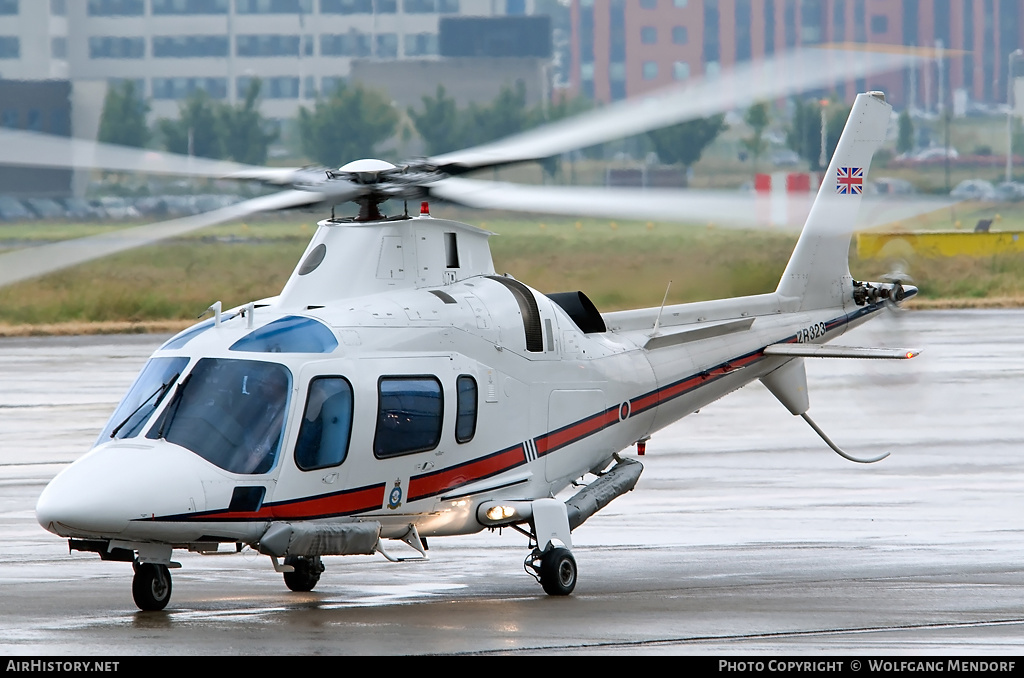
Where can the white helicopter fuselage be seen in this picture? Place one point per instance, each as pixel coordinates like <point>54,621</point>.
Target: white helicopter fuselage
<point>543,417</point>
<point>399,388</point>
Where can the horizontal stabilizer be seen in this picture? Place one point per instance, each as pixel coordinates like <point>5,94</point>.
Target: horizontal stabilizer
<point>816,351</point>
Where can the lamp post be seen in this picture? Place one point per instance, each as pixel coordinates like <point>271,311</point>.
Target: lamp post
<point>823,155</point>
<point>1009,112</point>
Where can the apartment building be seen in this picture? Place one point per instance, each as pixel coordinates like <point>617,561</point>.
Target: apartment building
<point>622,48</point>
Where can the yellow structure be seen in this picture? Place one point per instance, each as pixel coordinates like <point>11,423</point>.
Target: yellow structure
<point>871,245</point>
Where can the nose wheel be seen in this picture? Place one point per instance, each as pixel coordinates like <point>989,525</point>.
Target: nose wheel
<point>151,586</point>
<point>306,573</point>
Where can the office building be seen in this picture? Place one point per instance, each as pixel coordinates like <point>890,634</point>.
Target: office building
<point>622,48</point>
<point>170,48</point>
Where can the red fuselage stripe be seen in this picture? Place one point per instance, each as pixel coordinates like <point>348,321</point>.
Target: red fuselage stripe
<point>348,503</point>
<point>550,442</point>
<point>478,469</point>
<point>340,504</point>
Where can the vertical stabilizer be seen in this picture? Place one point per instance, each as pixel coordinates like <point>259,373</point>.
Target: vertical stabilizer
<point>818,273</point>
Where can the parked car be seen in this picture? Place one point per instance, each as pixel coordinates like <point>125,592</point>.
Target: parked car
<point>119,208</point>
<point>974,189</point>
<point>80,209</point>
<point>1009,191</point>
<point>180,205</point>
<point>45,208</point>
<point>11,209</point>
<point>936,153</point>
<point>152,206</point>
<point>784,158</point>
<point>210,202</point>
<point>892,186</point>
<point>930,155</point>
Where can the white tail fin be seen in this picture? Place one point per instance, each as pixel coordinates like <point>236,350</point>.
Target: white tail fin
<point>818,273</point>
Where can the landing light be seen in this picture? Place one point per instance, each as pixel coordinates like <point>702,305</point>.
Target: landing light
<point>500,512</point>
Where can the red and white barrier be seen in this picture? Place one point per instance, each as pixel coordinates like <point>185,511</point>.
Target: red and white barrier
<point>784,198</point>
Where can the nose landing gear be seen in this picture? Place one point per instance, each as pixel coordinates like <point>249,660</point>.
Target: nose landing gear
<point>151,586</point>
<point>305,574</point>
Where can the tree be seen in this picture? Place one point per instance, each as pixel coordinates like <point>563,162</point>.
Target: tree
<point>564,107</point>
<point>684,143</point>
<point>199,129</point>
<point>438,123</point>
<point>804,134</point>
<point>245,137</point>
<point>905,139</point>
<point>123,120</point>
<point>558,109</point>
<point>757,118</point>
<point>503,117</point>
<point>834,126</point>
<point>347,125</point>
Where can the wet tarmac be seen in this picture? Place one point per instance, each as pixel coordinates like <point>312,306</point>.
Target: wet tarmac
<point>745,534</point>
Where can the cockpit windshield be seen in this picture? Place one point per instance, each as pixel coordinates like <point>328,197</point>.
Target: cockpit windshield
<point>142,399</point>
<point>229,412</point>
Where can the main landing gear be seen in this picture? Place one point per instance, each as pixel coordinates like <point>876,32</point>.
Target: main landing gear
<point>555,569</point>
<point>551,562</point>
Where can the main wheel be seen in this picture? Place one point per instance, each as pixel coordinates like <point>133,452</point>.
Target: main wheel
<point>306,575</point>
<point>558,572</point>
<point>151,586</point>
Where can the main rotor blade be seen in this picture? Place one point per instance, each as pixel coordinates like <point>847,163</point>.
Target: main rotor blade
<point>18,147</point>
<point>746,84</point>
<point>601,202</point>
<point>722,208</point>
<point>32,262</point>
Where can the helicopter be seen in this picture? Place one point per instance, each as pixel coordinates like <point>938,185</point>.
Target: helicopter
<point>399,389</point>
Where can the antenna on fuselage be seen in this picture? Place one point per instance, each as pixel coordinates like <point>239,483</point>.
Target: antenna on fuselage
<point>657,321</point>
<point>216,308</point>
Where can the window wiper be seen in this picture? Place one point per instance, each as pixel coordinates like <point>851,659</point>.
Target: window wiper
<point>175,402</point>
<point>159,393</point>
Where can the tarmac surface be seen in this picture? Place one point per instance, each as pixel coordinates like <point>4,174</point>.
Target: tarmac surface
<point>745,535</point>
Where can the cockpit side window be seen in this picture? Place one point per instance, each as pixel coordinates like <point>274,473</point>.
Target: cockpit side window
<point>229,412</point>
<point>409,416</point>
<point>326,425</point>
<point>142,399</point>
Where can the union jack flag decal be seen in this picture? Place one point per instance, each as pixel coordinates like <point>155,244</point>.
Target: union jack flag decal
<point>850,181</point>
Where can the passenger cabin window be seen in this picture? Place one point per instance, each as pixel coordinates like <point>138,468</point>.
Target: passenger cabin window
<point>465,422</point>
<point>326,424</point>
<point>409,416</point>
